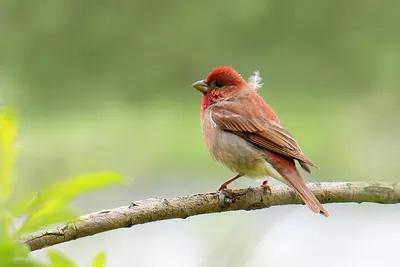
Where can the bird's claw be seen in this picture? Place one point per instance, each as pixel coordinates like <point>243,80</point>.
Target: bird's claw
<point>266,187</point>
<point>226,197</point>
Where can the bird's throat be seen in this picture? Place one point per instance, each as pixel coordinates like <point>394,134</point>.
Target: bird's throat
<point>205,102</point>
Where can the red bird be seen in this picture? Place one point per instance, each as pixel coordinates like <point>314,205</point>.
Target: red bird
<point>242,132</point>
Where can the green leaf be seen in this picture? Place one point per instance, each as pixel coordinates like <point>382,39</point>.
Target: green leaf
<point>58,259</point>
<point>99,260</point>
<point>87,182</point>
<point>21,250</point>
<point>46,217</point>
<point>15,254</point>
<point>25,263</point>
<point>8,128</point>
<point>6,253</point>
<point>5,222</point>
<point>68,190</point>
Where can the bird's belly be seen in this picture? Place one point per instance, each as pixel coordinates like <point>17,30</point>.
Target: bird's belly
<point>238,154</point>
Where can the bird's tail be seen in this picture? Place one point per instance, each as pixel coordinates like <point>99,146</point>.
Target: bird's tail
<point>295,180</point>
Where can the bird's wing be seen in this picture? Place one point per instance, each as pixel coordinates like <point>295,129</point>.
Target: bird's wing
<point>260,126</point>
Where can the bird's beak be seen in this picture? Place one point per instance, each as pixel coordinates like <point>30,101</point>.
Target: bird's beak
<point>202,86</point>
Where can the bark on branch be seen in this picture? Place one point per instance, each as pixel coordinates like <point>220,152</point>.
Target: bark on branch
<point>157,209</point>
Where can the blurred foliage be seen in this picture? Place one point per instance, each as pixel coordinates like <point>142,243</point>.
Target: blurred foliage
<point>47,207</point>
<point>60,260</point>
<point>75,52</point>
<point>107,84</point>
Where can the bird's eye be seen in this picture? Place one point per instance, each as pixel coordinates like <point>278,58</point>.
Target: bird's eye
<point>219,84</point>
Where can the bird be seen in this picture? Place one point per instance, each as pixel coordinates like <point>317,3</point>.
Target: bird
<point>241,131</point>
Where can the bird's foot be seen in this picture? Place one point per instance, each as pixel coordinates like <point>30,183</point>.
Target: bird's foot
<point>266,187</point>
<point>224,185</point>
<point>226,197</point>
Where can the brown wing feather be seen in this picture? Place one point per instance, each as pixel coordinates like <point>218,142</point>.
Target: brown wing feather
<point>260,127</point>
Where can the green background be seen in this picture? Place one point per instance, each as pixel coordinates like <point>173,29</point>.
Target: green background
<point>106,85</point>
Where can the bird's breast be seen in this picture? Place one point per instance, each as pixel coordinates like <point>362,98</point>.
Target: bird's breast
<point>233,151</point>
<point>210,130</point>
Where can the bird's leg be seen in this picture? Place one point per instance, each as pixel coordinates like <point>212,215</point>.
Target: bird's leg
<point>266,186</point>
<point>224,184</point>
<point>226,196</point>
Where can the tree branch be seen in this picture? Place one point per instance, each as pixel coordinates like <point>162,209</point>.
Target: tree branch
<point>157,209</point>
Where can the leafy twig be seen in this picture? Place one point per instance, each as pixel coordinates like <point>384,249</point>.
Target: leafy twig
<point>157,209</point>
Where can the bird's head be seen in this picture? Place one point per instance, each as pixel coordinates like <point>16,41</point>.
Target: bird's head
<point>222,83</point>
